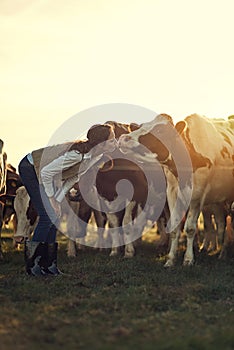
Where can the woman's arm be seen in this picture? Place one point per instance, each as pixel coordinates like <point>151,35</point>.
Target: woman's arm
<point>56,167</point>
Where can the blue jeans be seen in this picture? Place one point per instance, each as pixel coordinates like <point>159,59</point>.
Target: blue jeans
<point>46,229</point>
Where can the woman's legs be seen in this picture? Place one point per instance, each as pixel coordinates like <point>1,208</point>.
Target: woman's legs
<point>46,228</point>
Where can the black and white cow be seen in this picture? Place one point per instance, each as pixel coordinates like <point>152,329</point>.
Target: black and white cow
<point>210,145</point>
<point>127,211</point>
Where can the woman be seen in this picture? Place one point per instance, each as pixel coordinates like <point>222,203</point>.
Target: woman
<point>38,171</point>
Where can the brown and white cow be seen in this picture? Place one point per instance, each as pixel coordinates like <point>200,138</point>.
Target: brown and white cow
<point>210,145</point>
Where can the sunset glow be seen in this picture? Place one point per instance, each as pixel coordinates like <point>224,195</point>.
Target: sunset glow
<point>59,58</point>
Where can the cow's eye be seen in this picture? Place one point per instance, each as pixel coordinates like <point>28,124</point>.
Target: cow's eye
<point>127,138</point>
<point>13,183</point>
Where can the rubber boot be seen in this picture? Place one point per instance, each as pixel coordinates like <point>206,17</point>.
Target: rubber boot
<point>35,257</point>
<point>50,268</point>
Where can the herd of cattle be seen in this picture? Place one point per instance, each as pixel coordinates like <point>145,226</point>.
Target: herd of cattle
<point>201,183</point>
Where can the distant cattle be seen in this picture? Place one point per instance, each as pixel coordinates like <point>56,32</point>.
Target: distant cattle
<point>9,181</point>
<point>210,145</point>
<point>2,169</point>
<point>2,187</point>
<point>13,182</point>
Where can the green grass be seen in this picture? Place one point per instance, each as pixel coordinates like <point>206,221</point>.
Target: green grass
<point>112,303</point>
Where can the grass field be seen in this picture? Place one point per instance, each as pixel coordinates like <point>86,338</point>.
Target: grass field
<point>113,303</point>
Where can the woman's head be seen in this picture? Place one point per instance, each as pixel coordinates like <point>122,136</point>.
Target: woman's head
<point>99,133</point>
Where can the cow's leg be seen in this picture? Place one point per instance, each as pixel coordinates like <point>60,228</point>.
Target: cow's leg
<point>1,223</point>
<point>14,223</point>
<point>190,229</point>
<point>114,232</point>
<point>218,227</point>
<point>174,222</point>
<point>221,227</point>
<point>163,242</point>
<point>139,222</point>
<point>101,220</point>
<point>208,230</point>
<point>83,212</point>
<point>1,254</point>
<point>228,237</point>
<point>128,230</point>
<point>77,225</point>
<point>71,248</point>
<point>178,201</point>
<point>174,237</point>
<point>214,235</point>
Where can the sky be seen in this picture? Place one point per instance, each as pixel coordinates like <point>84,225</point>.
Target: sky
<point>59,58</point>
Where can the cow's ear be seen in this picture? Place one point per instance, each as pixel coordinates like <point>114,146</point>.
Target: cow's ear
<point>134,126</point>
<point>1,145</point>
<point>181,126</point>
<point>4,156</point>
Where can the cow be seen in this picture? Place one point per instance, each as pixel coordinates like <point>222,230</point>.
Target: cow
<point>13,182</point>
<point>210,145</point>
<point>27,218</point>
<point>10,181</point>
<point>2,187</point>
<point>127,212</point>
<point>120,217</point>
<point>3,158</point>
<point>26,215</point>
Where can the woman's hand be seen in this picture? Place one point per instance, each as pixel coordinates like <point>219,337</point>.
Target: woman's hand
<point>56,206</point>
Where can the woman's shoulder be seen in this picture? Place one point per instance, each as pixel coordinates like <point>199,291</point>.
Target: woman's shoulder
<point>73,154</point>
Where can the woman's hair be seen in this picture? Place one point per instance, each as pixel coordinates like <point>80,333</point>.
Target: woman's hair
<point>96,134</point>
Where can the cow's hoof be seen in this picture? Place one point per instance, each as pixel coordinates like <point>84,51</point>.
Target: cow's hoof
<point>169,263</point>
<point>71,256</point>
<point>19,239</point>
<point>188,263</point>
<point>128,255</point>
<point>222,255</point>
<point>113,253</point>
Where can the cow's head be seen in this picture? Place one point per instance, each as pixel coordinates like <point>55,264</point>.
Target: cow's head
<point>151,135</point>
<point>122,128</point>
<point>119,128</point>
<point>13,181</point>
